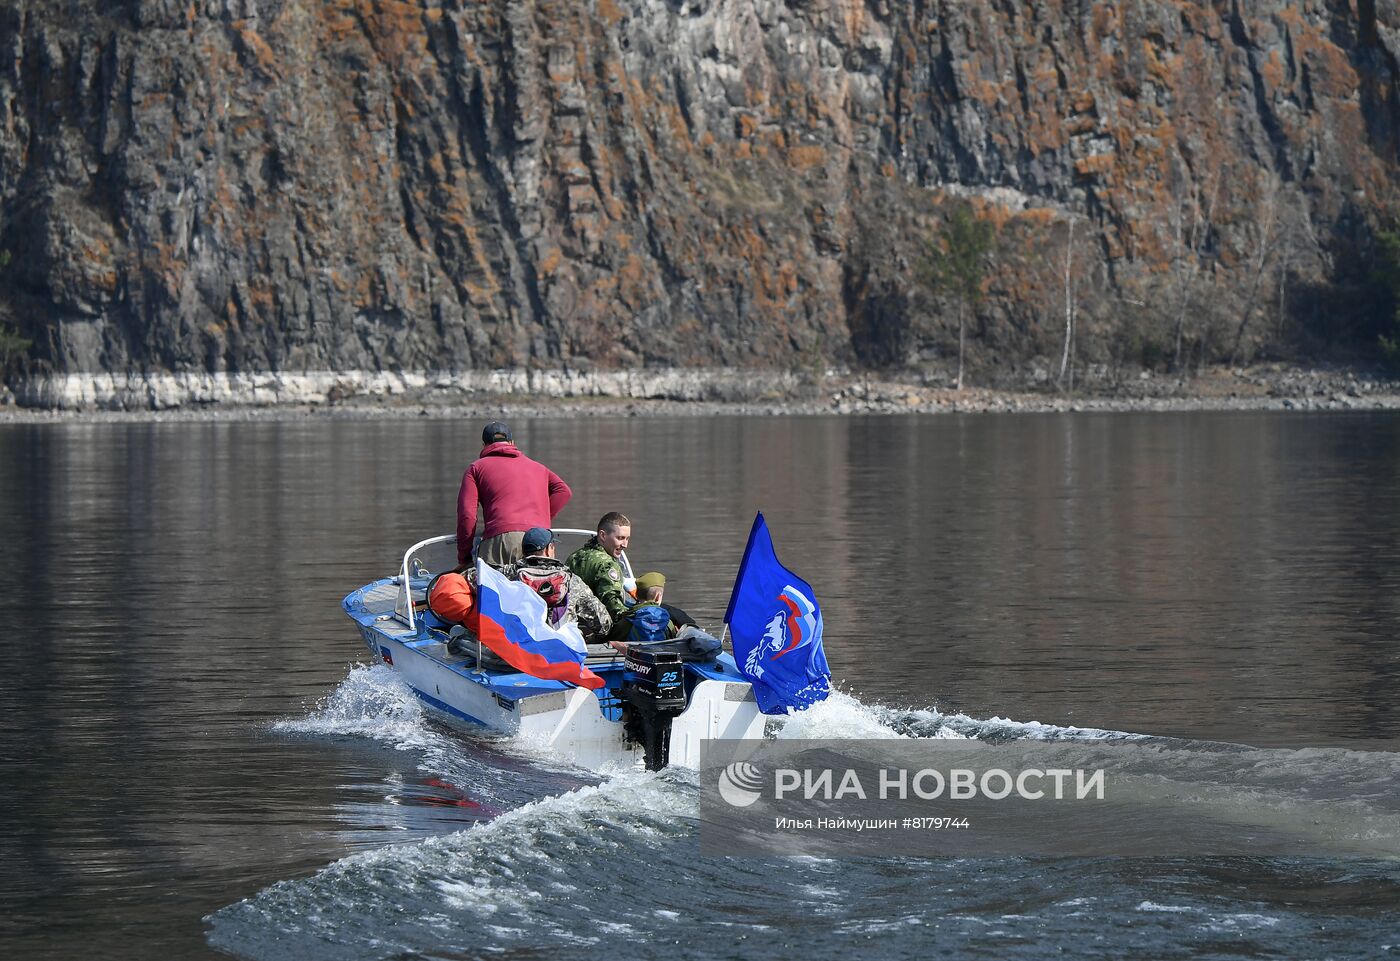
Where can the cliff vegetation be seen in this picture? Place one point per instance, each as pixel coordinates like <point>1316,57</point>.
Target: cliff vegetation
<point>239,186</point>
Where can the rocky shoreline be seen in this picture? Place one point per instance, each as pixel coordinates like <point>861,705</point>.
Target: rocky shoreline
<point>278,184</point>
<point>670,393</point>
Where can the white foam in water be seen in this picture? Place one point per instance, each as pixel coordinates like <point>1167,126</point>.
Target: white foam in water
<point>640,802</point>
<point>1236,921</point>
<point>934,723</point>
<point>374,702</point>
<point>1165,908</point>
<point>460,894</point>
<point>1035,730</point>
<point>843,717</point>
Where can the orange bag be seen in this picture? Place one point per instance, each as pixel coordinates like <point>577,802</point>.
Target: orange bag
<point>450,598</point>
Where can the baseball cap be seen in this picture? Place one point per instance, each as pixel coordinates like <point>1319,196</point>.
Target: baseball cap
<point>495,431</point>
<point>536,539</point>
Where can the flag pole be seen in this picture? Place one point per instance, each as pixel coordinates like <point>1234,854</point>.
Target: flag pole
<point>743,563</point>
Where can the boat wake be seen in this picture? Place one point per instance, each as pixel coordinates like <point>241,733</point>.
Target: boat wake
<point>374,704</point>
<point>577,860</point>
<point>842,716</point>
<point>530,876</point>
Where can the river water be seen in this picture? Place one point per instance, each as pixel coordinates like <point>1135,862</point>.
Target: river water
<point>195,760</point>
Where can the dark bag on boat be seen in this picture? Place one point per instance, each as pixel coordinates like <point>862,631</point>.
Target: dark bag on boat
<point>691,643</point>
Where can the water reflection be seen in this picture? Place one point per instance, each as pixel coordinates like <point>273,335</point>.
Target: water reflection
<point>176,589</point>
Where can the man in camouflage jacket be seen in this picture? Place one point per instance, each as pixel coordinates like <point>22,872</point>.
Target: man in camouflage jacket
<point>593,618</point>
<point>596,562</point>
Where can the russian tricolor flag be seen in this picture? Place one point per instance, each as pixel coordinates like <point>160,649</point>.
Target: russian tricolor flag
<point>513,622</point>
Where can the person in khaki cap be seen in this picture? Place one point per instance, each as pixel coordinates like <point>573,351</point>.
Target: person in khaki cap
<point>651,588</point>
<point>648,621</point>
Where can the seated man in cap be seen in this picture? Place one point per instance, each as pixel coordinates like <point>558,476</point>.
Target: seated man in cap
<point>649,621</point>
<point>515,494</point>
<point>550,576</point>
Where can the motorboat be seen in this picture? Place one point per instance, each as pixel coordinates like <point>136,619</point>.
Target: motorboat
<point>654,710</point>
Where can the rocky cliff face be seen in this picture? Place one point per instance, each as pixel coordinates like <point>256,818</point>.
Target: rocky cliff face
<point>247,185</point>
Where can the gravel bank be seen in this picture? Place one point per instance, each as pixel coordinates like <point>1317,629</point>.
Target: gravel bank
<point>703,393</point>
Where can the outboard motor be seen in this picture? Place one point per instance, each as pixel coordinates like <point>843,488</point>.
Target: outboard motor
<point>653,690</point>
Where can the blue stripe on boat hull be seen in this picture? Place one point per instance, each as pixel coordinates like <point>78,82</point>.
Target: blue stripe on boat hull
<point>446,708</point>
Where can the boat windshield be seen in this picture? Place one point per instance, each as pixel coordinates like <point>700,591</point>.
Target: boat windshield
<point>430,557</point>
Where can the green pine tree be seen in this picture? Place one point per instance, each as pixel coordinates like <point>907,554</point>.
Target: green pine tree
<point>957,266</point>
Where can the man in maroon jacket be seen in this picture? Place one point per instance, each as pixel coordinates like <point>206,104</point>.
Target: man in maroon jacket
<point>516,494</point>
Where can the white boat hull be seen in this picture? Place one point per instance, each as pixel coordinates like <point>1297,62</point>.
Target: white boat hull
<point>546,715</point>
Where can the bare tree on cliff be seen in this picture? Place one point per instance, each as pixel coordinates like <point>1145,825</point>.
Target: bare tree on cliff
<point>957,265</point>
<point>1265,239</point>
<point>1066,255</point>
<point>1189,244</point>
<point>1069,306</point>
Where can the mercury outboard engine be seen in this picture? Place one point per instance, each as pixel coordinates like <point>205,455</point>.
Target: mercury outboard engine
<point>653,692</point>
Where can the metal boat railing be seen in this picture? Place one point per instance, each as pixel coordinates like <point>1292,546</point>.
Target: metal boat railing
<point>406,583</point>
<point>405,575</point>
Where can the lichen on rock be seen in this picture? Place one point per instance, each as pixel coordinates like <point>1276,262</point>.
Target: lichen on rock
<point>234,187</point>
